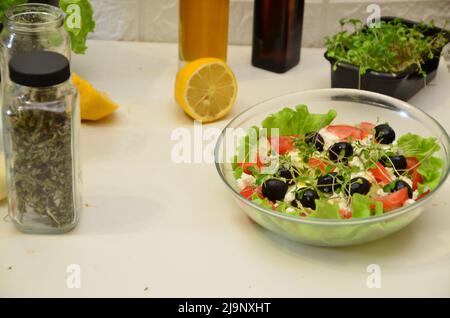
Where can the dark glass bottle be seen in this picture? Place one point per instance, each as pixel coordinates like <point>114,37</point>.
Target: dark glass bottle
<point>277,34</point>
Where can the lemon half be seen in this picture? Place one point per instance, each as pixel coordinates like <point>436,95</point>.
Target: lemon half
<point>206,89</point>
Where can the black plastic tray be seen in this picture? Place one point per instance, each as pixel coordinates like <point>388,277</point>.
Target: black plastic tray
<point>401,85</point>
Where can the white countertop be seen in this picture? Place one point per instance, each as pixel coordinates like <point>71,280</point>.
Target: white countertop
<point>153,228</point>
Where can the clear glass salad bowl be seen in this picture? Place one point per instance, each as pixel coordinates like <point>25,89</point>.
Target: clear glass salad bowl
<point>352,106</point>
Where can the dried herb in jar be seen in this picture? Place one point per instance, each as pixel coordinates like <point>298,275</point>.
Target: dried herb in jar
<point>42,162</point>
<point>40,129</point>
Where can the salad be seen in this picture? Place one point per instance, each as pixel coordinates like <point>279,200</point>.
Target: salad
<point>315,168</point>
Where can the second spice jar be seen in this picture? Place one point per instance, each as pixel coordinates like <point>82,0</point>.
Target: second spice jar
<point>40,132</point>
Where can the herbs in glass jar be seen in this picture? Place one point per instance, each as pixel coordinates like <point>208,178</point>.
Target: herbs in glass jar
<point>40,130</point>
<point>42,162</point>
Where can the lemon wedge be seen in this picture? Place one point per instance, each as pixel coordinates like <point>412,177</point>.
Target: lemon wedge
<point>94,105</point>
<point>206,89</point>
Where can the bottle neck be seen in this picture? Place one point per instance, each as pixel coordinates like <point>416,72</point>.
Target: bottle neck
<point>34,17</point>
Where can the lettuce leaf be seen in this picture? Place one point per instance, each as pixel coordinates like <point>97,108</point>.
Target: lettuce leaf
<point>298,121</point>
<point>423,149</point>
<point>263,202</point>
<point>326,210</point>
<point>430,169</point>
<point>79,22</point>
<point>6,4</point>
<point>416,146</point>
<point>362,206</point>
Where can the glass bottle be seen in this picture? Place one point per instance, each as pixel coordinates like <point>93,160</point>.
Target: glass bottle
<point>32,27</point>
<point>40,116</point>
<point>277,34</point>
<point>203,29</point>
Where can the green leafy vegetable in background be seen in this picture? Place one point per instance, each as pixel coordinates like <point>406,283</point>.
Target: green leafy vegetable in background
<point>423,149</point>
<point>390,47</point>
<point>298,121</point>
<point>79,22</point>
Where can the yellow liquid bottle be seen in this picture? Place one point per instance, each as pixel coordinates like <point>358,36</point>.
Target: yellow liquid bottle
<point>203,29</point>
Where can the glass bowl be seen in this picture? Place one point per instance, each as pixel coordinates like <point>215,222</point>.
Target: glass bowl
<point>352,106</point>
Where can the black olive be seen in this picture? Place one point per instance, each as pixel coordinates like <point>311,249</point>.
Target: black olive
<point>307,197</point>
<point>274,189</point>
<point>330,182</point>
<point>294,203</point>
<point>315,139</point>
<point>384,134</point>
<point>398,162</point>
<point>288,174</point>
<point>340,151</point>
<point>400,184</point>
<point>359,185</point>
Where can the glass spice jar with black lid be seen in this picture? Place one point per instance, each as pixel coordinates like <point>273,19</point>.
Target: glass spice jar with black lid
<point>41,121</point>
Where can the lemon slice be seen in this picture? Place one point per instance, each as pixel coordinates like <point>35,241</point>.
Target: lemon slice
<point>206,89</point>
<point>94,105</point>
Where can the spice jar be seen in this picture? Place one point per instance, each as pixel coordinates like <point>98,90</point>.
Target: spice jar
<point>41,120</point>
<point>32,27</point>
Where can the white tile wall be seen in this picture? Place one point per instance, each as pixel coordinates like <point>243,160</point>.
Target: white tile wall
<point>157,20</point>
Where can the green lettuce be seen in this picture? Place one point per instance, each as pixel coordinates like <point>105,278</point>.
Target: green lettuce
<point>430,169</point>
<point>423,149</point>
<point>263,202</point>
<point>363,206</point>
<point>79,22</point>
<point>326,210</point>
<point>298,121</point>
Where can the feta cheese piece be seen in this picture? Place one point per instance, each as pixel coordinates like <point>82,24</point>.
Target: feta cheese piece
<point>290,195</point>
<point>356,162</point>
<point>290,210</point>
<point>364,174</point>
<point>296,159</point>
<point>329,138</point>
<point>409,202</point>
<point>367,141</point>
<point>245,180</point>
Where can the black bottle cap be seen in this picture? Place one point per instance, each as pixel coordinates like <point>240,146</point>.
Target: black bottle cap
<point>39,69</point>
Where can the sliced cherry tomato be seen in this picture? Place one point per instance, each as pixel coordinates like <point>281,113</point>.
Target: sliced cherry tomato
<point>366,128</point>
<point>380,174</point>
<point>412,163</point>
<point>394,200</point>
<point>318,163</point>
<point>283,143</point>
<point>247,165</point>
<point>346,131</point>
<point>248,192</point>
<point>345,214</point>
<point>416,178</point>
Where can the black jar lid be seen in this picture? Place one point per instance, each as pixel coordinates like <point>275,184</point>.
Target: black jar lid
<point>39,69</point>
